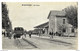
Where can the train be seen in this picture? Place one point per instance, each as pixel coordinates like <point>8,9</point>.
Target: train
<point>18,32</point>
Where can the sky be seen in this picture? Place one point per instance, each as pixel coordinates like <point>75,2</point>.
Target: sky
<point>30,14</point>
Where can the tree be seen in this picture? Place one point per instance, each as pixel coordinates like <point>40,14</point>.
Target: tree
<point>6,23</point>
<point>71,14</point>
<point>5,18</point>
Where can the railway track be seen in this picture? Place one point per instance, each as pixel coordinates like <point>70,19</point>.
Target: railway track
<point>55,41</point>
<point>30,42</point>
<point>24,44</point>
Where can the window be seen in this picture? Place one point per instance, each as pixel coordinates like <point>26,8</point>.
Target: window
<point>64,30</point>
<point>63,21</point>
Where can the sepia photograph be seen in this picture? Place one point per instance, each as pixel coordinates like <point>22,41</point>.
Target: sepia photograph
<point>39,25</point>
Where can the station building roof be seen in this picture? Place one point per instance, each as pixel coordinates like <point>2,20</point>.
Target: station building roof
<point>56,13</point>
<point>42,25</point>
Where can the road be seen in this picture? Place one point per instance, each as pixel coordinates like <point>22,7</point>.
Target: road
<point>36,43</point>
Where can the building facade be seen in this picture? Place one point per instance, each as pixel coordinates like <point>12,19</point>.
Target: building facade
<point>58,23</point>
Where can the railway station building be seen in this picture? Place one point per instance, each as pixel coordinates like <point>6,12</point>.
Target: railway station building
<point>58,23</point>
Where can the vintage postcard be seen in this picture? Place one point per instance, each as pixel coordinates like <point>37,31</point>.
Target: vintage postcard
<point>39,25</point>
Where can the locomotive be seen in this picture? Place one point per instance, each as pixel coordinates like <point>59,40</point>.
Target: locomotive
<point>18,32</point>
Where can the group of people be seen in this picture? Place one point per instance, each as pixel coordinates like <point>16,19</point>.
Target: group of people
<point>7,34</point>
<point>30,33</point>
<point>51,34</point>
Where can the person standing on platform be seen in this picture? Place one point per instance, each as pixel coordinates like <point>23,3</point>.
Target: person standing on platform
<point>30,34</point>
<point>50,34</point>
